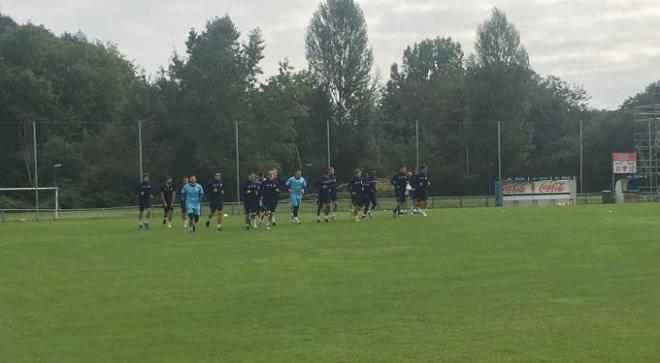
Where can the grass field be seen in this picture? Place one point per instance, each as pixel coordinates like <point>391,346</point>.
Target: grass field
<point>463,285</point>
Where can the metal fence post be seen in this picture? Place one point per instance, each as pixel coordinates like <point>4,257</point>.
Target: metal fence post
<point>417,143</point>
<point>650,163</point>
<point>499,155</point>
<point>581,164</point>
<point>238,167</point>
<point>36,168</point>
<point>327,136</point>
<point>140,148</point>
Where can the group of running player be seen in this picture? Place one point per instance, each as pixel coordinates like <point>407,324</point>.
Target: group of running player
<point>261,194</point>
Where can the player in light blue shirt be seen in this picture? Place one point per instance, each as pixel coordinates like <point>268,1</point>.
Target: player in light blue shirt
<point>193,194</point>
<point>297,186</point>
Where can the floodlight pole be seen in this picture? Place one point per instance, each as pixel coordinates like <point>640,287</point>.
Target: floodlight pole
<point>417,142</point>
<point>327,136</point>
<point>140,147</point>
<point>238,166</point>
<point>36,168</point>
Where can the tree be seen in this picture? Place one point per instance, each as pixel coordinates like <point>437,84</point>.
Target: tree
<point>340,59</point>
<point>498,43</point>
<point>429,88</point>
<point>338,53</point>
<point>555,115</point>
<point>79,88</point>
<point>500,84</point>
<point>204,93</point>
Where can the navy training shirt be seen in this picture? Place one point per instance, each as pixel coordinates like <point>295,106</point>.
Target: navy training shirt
<point>214,189</point>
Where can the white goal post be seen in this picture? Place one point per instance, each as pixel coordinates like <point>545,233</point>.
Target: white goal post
<point>56,210</point>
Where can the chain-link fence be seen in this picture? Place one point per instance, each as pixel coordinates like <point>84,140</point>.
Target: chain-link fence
<point>94,167</point>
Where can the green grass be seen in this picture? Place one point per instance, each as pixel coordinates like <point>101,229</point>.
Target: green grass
<point>463,285</point>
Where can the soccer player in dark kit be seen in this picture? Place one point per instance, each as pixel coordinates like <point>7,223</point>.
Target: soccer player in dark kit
<point>167,195</point>
<point>323,201</point>
<point>333,194</point>
<point>251,195</point>
<point>270,194</point>
<point>182,202</point>
<point>144,199</point>
<point>371,192</point>
<point>420,183</point>
<point>356,189</point>
<point>215,191</point>
<point>399,181</point>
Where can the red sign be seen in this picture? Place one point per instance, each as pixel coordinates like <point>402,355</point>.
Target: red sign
<point>624,163</point>
<point>624,157</point>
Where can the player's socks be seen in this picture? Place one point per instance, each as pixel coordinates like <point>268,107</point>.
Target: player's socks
<point>208,223</point>
<point>164,221</point>
<point>141,225</point>
<point>146,224</point>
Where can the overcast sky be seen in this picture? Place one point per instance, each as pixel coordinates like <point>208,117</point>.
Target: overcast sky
<point>610,47</point>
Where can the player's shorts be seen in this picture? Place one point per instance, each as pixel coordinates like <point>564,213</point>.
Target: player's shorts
<point>168,207</point>
<point>270,205</point>
<point>251,206</point>
<point>295,200</point>
<point>145,204</point>
<point>371,198</point>
<point>193,209</point>
<point>215,206</point>
<point>401,196</point>
<point>333,196</point>
<point>421,195</point>
<point>323,199</point>
<point>356,200</point>
<point>183,207</point>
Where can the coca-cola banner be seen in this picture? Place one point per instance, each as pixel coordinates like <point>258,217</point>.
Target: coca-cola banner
<point>538,187</point>
<point>517,188</point>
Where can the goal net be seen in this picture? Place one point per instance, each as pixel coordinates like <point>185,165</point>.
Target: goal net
<point>21,203</point>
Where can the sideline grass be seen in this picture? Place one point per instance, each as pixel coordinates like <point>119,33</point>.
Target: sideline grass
<point>553,284</point>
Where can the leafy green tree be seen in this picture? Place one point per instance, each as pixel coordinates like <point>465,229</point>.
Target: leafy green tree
<point>340,59</point>
<point>338,52</point>
<point>500,81</point>
<point>429,87</point>
<point>557,109</point>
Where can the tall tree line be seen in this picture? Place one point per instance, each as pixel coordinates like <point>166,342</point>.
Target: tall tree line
<point>87,99</point>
